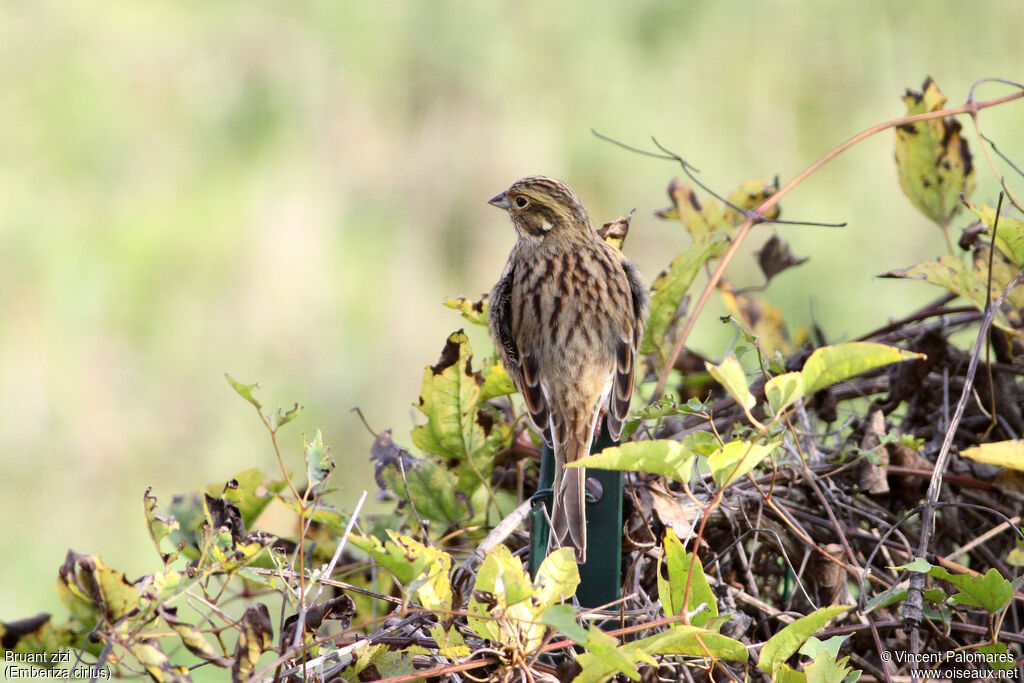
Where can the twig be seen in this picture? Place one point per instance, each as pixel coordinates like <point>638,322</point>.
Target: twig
<point>915,595</point>
<point>499,533</point>
<point>303,609</point>
<point>741,234</point>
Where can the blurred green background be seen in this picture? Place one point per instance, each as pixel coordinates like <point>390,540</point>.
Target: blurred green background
<point>287,192</point>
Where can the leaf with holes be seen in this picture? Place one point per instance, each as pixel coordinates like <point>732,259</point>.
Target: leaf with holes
<point>933,160</point>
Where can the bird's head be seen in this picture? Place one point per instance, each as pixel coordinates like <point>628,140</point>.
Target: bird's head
<point>541,206</point>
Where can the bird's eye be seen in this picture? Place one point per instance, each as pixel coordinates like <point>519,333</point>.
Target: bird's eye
<point>521,202</point>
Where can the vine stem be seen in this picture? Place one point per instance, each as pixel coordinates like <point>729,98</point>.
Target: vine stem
<point>758,214</point>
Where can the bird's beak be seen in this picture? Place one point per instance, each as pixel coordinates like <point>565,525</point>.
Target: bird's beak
<point>500,201</point>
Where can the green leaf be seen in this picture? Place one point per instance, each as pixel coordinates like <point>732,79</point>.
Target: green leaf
<point>250,490</point>
<point>751,194</point>
<point>506,607</point>
<point>662,457</point>
<point>784,390</point>
<point>887,597</point>
<point>192,637</point>
<point>952,274</point>
<point>731,376</point>
<point>786,642</point>
<point>736,458</point>
<point>155,662</point>
<point>422,570</point>
<point>932,159</point>
<point>431,489</point>
<point>1009,235</point>
<point>919,565</point>
<point>245,390</point>
<point>473,311</point>
<point>825,669</point>
<point>991,592</point>
<point>281,417</point>
<point>686,640</point>
<point>255,636</point>
<point>562,618</point>
<point>496,383</point>
<point>90,590</point>
<point>666,406</point>
<point>998,657</point>
<point>1015,558</point>
<point>159,527</point>
<point>485,598</point>
<point>557,578</point>
<point>784,674</point>
<point>702,443</point>
<point>604,657</point>
<point>672,590</point>
<point>813,647</point>
<point>450,642</point>
<point>319,463</point>
<point>456,429</point>
<point>670,287</point>
<point>448,398</point>
<point>277,419</point>
<point>700,218</point>
<point>39,635</point>
<point>374,662</point>
<point>831,364</point>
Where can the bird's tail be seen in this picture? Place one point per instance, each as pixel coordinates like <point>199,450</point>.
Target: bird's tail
<point>568,514</point>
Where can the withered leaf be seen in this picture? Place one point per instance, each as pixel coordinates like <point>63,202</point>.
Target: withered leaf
<point>616,231</point>
<point>775,257</point>
<point>255,637</point>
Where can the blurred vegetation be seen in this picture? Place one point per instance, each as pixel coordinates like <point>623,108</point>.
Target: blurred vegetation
<point>288,191</point>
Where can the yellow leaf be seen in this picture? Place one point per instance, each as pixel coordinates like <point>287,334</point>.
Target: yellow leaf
<point>831,364</point>
<point>616,231</point>
<point>670,288</point>
<point>734,459</point>
<point>1009,454</point>
<point>1009,235</point>
<point>473,311</point>
<point>729,373</point>
<point>784,390</point>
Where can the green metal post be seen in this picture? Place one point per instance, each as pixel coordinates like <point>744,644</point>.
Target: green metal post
<point>601,574</point>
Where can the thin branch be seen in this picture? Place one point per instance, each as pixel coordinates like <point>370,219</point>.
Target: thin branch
<point>969,108</point>
<point>637,150</point>
<point>914,595</point>
<point>747,213</point>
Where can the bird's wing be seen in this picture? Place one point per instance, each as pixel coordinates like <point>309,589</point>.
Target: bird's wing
<point>533,396</point>
<point>625,353</point>
<point>521,367</point>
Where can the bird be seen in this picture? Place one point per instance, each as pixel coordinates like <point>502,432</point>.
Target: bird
<point>566,319</point>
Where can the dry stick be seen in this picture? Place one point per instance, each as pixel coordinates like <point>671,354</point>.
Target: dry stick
<point>498,534</point>
<point>988,157</point>
<point>994,531</point>
<point>757,215</point>
<point>915,592</point>
<point>300,626</point>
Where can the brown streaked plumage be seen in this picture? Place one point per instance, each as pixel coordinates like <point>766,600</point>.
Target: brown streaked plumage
<point>566,317</point>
